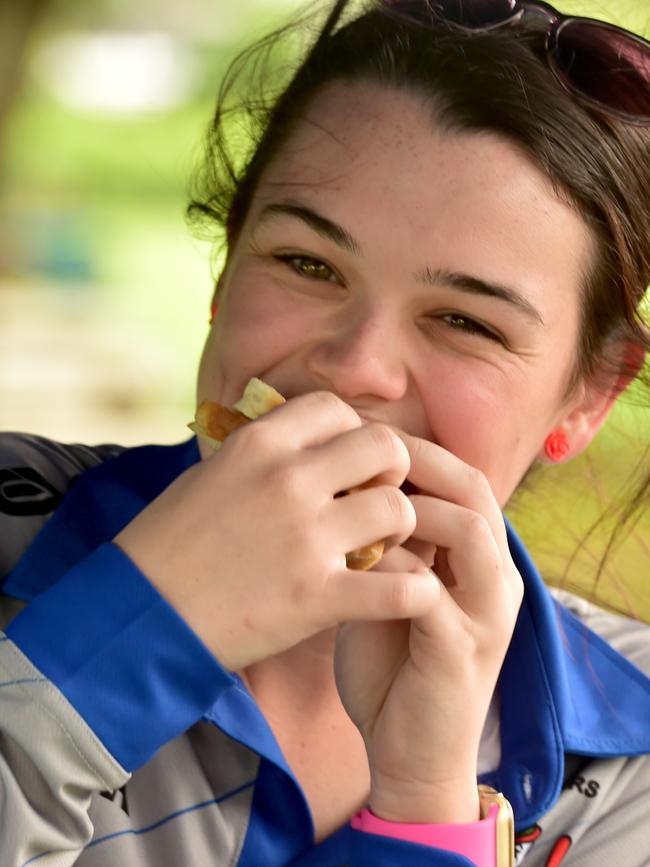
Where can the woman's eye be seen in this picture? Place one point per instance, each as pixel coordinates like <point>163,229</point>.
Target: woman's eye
<point>308,267</point>
<point>471,326</point>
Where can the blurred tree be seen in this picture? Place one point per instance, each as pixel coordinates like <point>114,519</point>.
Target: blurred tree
<point>17,24</point>
<point>18,21</point>
<point>202,20</point>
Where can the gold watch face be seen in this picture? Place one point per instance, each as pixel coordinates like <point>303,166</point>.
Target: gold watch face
<point>505,824</point>
<point>505,834</point>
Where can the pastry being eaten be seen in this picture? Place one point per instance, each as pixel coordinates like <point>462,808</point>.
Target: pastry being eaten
<point>213,422</point>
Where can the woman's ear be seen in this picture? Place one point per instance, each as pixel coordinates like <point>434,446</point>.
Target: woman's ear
<point>577,428</point>
<point>587,411</point>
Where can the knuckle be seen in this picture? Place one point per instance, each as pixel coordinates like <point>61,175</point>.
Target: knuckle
<point>328,402</point>
<point>399,507</point>
<point>477,482</point>
<point>418,449</point>
<point>252,436</point>
<point>286,482</point>
<point>387,442</point>
<point>381,435</point>
<point>401,597</point>
<point>475,525</point>
<point>300,593</point>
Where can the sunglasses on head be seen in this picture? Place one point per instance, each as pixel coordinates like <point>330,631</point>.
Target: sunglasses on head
<point>606,67</point>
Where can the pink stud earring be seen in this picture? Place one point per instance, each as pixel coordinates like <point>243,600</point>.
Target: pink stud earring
<point>557,446</point>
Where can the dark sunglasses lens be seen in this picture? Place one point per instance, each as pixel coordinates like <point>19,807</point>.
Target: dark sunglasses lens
<point>475,13</point>
<point>609,67</point>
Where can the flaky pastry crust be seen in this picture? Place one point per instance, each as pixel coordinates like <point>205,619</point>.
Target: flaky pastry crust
<point>213,422</point>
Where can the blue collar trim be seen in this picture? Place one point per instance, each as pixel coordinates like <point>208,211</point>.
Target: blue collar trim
<point>562,688</point>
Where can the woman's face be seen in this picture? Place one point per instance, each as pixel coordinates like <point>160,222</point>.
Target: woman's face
<point>429,279</point>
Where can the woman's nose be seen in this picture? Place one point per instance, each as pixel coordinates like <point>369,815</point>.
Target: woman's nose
<point>361,359</point>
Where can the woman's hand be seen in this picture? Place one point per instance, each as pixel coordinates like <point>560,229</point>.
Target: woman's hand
<point>419,691</point>
<point>249,545</point>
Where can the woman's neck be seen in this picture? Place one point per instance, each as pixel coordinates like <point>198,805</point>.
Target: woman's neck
<point>305,672</point>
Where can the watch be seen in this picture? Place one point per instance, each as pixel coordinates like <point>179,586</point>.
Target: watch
<point>490,842</point>
<point>494,803</point>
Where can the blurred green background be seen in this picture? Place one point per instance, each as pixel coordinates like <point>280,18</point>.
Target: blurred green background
<point>104,294</point>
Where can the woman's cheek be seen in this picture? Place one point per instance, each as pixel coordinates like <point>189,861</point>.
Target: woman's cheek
<point>271,325</point>
<point>468,414</point>
<point>259,323</point>
<point>487,434</point>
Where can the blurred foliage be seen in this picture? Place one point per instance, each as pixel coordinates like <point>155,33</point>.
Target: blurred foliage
<point>631,14</point>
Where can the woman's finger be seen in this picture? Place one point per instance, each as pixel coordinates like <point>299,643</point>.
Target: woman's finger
<point>373,596</point>
<point>472,553</point>
<point>352,458</point>
<point>401,559</point>
<point>363,517</point>
<point>305,421</point>
<point>438,472</point>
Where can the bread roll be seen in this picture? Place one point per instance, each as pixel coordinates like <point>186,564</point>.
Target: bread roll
<point>214,422</point>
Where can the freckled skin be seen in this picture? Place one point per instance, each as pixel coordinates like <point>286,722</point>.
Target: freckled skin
<point>414,197</point>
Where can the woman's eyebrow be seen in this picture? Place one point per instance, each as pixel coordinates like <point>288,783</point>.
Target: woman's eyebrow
<point>325,227</point>
<point>432,277</point>
<point>477,286</point>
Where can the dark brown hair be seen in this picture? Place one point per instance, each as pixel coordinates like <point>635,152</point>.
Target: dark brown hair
<point>496,82</point>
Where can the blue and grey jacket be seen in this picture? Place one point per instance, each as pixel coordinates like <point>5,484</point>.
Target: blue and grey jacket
<point>124,742</point>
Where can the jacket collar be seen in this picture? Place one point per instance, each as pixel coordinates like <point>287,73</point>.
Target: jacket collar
<point>562,688</point>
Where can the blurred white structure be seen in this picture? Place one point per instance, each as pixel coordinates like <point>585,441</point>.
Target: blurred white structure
<point>116,72</point>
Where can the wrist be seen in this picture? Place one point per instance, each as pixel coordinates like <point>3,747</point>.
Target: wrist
<point>449,802</point>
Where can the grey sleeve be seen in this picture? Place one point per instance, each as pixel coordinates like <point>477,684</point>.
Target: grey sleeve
<point>621,833</point>
<point>50,765</point>
<point>50,760</point>
<point>601,820</point>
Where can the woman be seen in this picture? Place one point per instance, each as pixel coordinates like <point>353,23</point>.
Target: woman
<point>436,251</point>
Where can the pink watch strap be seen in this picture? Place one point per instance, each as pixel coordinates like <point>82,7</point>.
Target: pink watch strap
<point>475,840</point>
